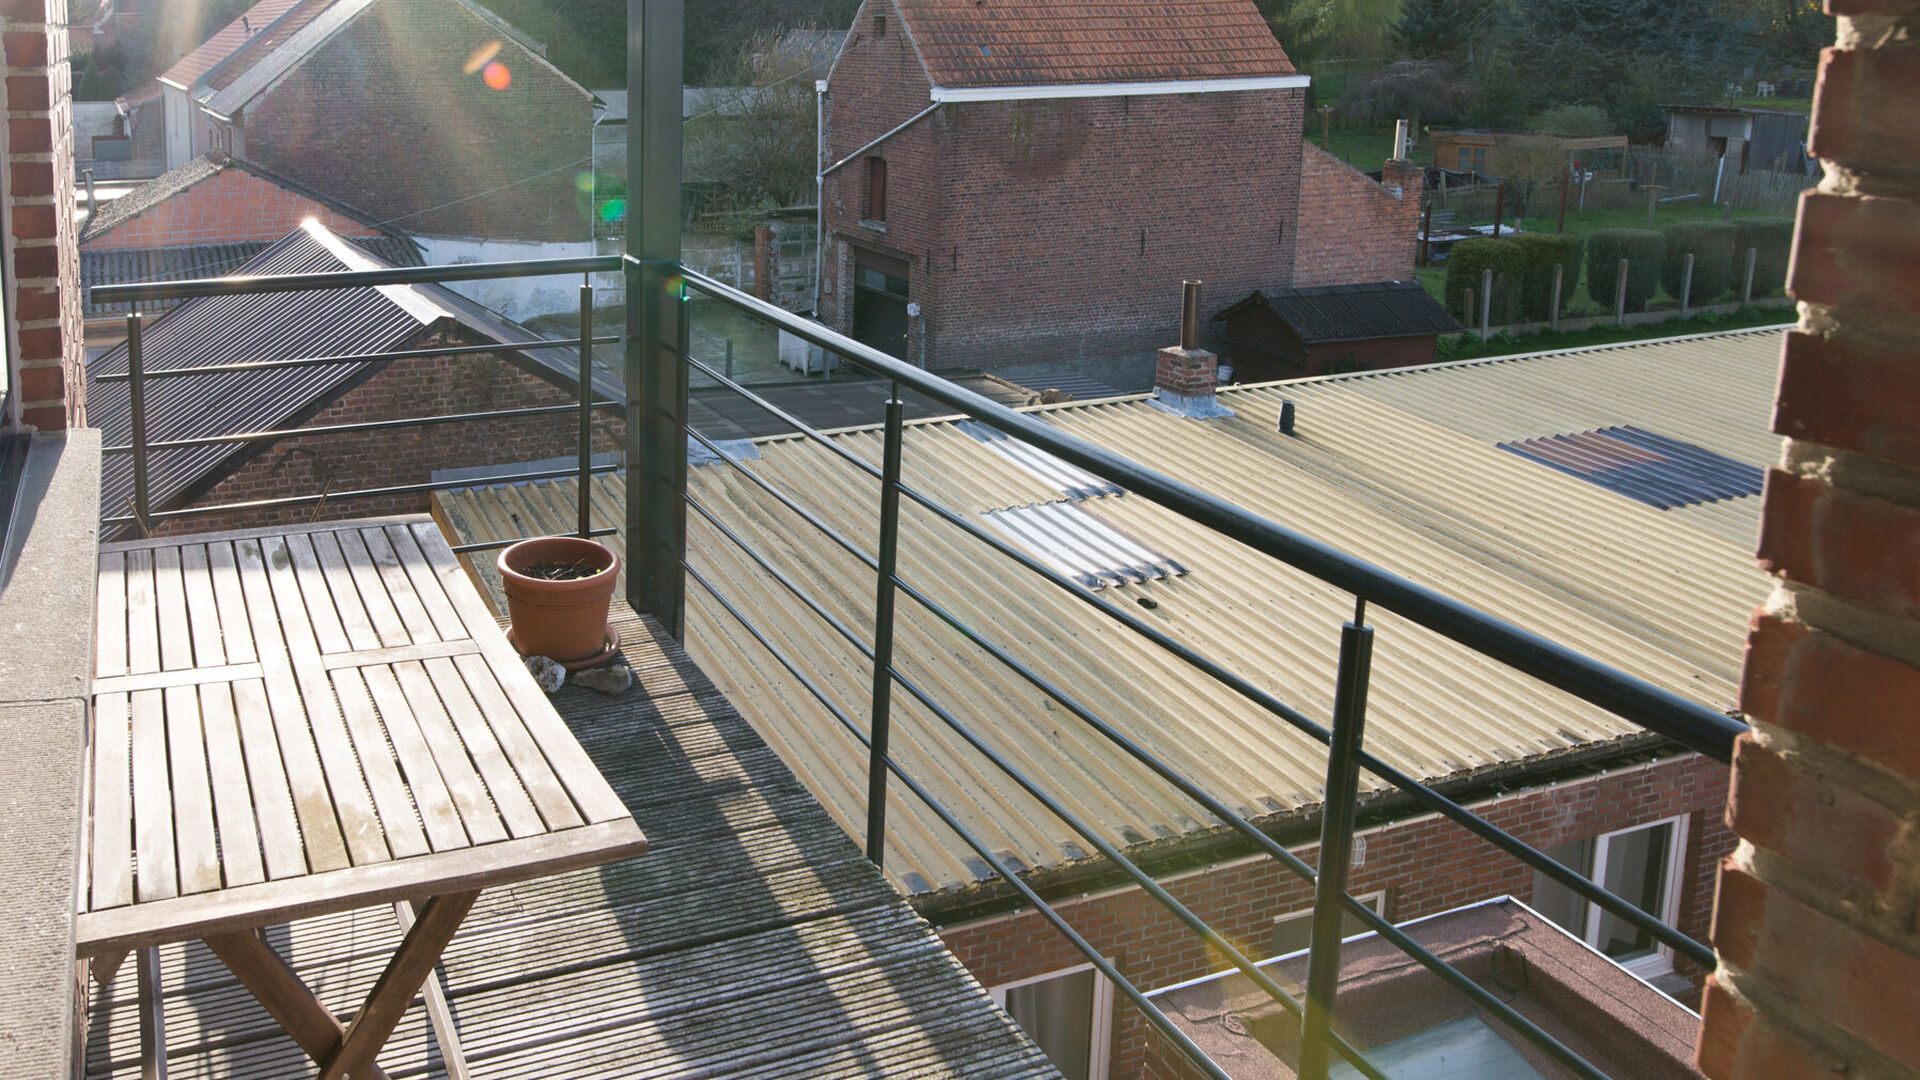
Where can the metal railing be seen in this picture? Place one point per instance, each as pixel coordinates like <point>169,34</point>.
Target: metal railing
<point>144,516</point>
<point>1686,723</point>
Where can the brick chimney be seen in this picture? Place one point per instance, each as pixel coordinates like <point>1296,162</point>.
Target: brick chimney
<point>1185,376</point>
<point>1817,923</point>
<point>47,354</point>
<point>1407,182</point>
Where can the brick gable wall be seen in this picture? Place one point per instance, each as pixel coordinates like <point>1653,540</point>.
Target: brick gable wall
<point>383,118</point>
<point>1352,229</point>
<point>1425,865</point>
<point>428,386</point>
<point>233,207</point>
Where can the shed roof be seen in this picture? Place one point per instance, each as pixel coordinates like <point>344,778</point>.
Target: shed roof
<point>996,43</point>
<point>1380,309</point>
<point>216,330</point>
<point>1400,468</point>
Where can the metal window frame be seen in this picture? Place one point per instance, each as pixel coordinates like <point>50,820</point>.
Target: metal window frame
<point>1100,1028</point>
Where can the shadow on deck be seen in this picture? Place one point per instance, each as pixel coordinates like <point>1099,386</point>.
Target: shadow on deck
<point>753,940</point>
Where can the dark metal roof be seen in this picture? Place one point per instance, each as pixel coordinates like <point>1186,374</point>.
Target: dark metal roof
<point>205,167</point>
<point>1380,309</point>
<point>218,330</point>
<point>125,266</point>
<point>1642,465</point>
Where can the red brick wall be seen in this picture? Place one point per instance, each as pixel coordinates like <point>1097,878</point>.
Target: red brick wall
<point>47,351</point>
<point>1818,925</point>
<point>233,207</point>
<point>383,119</point>
<point>431,386</point>
<point>1352,229</point>
<point>1425,865</point>
<point>1060,230</point>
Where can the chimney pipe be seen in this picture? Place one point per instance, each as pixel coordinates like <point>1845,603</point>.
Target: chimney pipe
<point>1399,140</point>
<point>1190,315</point>
<point>1286,417</point>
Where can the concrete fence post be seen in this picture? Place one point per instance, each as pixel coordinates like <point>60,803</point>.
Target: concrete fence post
<point>1620,296</point>
<point>1686,286</point>
<point>1746,283</point>
<point>1486,302</point>
<point>1553,305</point>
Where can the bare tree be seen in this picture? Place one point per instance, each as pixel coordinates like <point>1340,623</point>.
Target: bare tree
<point>1416,90</point>
<point>754,134</point>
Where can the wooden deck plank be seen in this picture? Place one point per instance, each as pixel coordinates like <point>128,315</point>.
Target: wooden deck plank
<point>196,848</point>
<point>469,793</point>
<point>373,590</point>
<point>399,587</point>
<point>235,633</point>
<point>510,798</point>
<point>281,845</point>
<point>111,845</point>
<point>359,823</point>
<point>203,613</point>
<point>354,616</point>
<point>316,597</point>
<point>232,799</point>
<point>430,796</point>
<point>170,602</point>
<point>156,876</point>
<point>404,834</point>
<point>320,835</point>
<point>143,619</point>
<point>110,625</point>
<point>536,775</point>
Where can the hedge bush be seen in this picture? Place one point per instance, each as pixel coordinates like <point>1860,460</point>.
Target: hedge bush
<point>1711,245</point>
<point>1465,265</point>
<point>1541,252</point>
<point>1641,248</point>
<point>1772,238</point>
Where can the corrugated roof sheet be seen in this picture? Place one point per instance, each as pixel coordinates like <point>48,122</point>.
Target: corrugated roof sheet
<point>1380,309</point>
<point>977,43</point>
<point>227,40</point>
<point>218,330</point>
<point>1414,484</point>
<point>1644,465</point>
<point>123,266</point>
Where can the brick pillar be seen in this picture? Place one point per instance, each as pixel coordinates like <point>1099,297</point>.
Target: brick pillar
<point>37,189</point>
<point>1818,917</point>
<point>1191,373</point>
<point>1408,182</point>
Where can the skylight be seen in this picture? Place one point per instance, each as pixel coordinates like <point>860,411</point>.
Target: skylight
<point>1082,546</point>
<point>1653,469</point>
<point>1465,1049</point>
<point>1070,480</point>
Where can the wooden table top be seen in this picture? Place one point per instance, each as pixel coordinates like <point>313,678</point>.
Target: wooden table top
<point>302,720</point>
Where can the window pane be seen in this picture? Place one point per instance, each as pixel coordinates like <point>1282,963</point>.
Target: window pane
<point>1292,933</point>
<point>1565,907</point>
<point>1058,1013</point>
<point>1636,870</point>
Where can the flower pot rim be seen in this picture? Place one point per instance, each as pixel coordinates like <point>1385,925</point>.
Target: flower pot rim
<point>509,573</point>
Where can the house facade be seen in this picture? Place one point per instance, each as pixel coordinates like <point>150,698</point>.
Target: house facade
<point>1021,185</point>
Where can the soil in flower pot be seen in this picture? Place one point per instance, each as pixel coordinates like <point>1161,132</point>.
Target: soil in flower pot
<point>558,591</point>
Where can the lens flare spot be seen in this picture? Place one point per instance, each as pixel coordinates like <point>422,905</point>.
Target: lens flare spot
<point>583,183</point>
<point>496,75</point>
<point>480,57</point>
<point>613,210</point>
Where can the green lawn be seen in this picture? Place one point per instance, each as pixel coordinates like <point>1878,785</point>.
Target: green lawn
<point>1364,150</point>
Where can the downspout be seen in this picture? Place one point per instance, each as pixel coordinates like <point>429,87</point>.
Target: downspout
<point>819,191</point>
<point>820,184</point>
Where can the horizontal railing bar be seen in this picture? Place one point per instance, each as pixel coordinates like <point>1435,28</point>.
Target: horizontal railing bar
<point>781,414</point>
<point>1153,1013</point>
<point>461,549</point>
<point>1435,801</point>
<point>1687,722</point>
<point>800,594</point>
<point>806,516</point>
<point>364,425</point>
<point>245,366</point>
<point>351,279</point>
<point>362,493</point>
<point>1140,877</point>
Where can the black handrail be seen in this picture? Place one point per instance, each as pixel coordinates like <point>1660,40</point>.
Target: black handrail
<point>1686,722</point>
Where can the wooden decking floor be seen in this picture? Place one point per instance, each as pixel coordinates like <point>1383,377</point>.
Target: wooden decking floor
<point>753,940</point>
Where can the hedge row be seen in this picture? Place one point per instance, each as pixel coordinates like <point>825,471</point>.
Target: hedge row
<point>1642,248</point>
<point>1466,267</point>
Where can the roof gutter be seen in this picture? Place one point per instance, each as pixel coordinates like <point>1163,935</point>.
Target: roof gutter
<point>1117,89</point>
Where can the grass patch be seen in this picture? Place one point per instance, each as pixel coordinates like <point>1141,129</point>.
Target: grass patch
<point>1472,347</point>
<point>1363,149</point>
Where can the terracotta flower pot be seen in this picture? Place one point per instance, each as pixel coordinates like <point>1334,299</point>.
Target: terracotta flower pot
<point>565,620</point>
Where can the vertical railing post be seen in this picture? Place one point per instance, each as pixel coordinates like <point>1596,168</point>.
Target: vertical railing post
<point>137,413</point>
<point>1336,842</point>
<point>656,376</point>
<point>883,631</point>
<point>586,406</point>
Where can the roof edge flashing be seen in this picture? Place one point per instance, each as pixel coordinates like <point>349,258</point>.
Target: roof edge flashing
<point>1118,89</point>
<point>1191,406</point>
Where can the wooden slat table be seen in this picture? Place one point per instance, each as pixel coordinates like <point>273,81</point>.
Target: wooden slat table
<point>299,721</point>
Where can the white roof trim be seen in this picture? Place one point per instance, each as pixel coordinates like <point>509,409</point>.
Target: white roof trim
<point>1121,89</point>
<point>407,298</point>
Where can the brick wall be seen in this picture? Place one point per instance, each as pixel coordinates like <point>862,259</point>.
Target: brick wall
<point>1352,229</point>
<point>43,264</point>
<point>429,386</point>
<point>383,119</point>
<point>1818,925</point>
<point>233,207</point>
<point>1425,865</point>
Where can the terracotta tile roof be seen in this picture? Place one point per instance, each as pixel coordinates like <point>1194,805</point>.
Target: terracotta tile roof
<point>227,41</point>
<point>979,43</point>
<point>253,51</point>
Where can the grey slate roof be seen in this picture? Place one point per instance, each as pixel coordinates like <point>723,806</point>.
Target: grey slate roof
<point>185,262</point>
<point>1381,309</point>
<point>216,330</point>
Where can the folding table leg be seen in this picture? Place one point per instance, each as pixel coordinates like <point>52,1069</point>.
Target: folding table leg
<point>453,1058</point>
<point>153,1026</point>
<point>281,992</point>
<point>439,918</point>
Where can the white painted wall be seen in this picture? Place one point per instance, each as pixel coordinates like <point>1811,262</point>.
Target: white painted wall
<point>521,298</point>
<point>179,132</point>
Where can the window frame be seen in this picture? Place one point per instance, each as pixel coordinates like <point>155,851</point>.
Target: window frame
<point>1100,1033</point>
<point>1660,961</point>
<point>876,208</point>
<point>1375,899</point>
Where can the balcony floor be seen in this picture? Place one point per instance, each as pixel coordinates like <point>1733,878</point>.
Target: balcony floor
<point>752,940</point>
